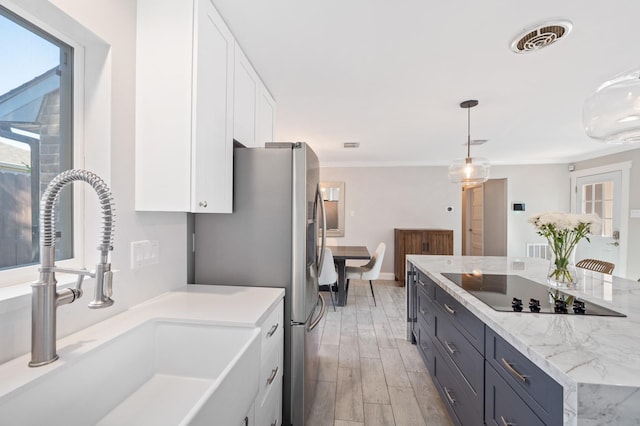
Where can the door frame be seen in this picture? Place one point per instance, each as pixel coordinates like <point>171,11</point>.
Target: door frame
<point>625,169</point>
<point>494,216</point>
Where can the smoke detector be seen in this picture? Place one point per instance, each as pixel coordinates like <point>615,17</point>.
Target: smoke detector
<point>542,35</point>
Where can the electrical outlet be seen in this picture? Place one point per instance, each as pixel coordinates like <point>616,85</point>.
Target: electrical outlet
<point>154,247</point>
<point>144,253</point>
<point>137,254</point>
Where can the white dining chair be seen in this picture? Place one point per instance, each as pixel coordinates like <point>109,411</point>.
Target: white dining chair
<point>369,271</point>
<point>328,274</point>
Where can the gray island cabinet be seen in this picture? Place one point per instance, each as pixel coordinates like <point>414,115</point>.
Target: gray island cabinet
<point>524,368</point>
<point>480,377</point>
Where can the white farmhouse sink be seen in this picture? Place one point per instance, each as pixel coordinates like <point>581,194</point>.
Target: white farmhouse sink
<point>162,372</point>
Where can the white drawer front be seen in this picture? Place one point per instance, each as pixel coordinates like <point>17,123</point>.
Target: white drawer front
<point>269,412</point>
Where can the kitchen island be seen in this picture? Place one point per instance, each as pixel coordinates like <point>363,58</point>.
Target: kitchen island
<point>595,359</point>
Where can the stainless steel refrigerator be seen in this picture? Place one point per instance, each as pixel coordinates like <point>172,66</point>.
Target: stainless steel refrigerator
<point>272,240</point>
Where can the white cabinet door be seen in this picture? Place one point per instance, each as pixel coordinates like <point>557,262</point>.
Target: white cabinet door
<point>212,151</point>
<point>265,131</point>
<point>254,108</point>
<point>246,91</point>
<point>184,108</point>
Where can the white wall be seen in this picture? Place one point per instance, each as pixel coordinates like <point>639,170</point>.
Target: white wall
<point>114,22</point>
<point>384,198</point>
<point>540,188</point>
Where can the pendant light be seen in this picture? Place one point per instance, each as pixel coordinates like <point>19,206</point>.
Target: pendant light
<point>469,171</point>
<point>612,113</point>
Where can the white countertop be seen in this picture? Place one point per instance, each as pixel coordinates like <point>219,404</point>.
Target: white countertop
<point>228,305</point>
<point>595,358</point>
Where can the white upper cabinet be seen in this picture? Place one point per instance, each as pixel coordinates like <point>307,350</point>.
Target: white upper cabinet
<point>246,91</point>
<point>184,108</point>
<point>265,130</point>
<point>253,106</point>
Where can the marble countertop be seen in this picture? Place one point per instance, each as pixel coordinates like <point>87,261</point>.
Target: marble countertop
<point>225,305</point>
<point>596,359</point>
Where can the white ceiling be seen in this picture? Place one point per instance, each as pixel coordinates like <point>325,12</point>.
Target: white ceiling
<point>391,74</point>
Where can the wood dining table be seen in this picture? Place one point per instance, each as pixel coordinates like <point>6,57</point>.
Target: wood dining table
<point>340,256</point>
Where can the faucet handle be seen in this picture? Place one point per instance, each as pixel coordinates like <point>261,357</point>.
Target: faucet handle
<point>108,283</point>
<point>104,287</point>
<point>79,286</point>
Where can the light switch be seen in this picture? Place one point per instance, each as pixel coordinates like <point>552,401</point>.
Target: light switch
<point>144,253</point>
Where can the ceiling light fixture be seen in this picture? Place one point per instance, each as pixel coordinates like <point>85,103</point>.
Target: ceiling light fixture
<point>612,113</point>
<point>469,171</point>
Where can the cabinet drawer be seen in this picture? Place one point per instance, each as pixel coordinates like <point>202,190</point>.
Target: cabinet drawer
<point>269,412</point>
<point>425,344</point>
<point>457,396</point>
<point>534,386</point>
<point>462,353</point>
<point>272,326</point>
<point>503,406</point>
<point>249,419</point>
<point>467,323</point>
<point>425,309</point>
<point>270,369</point>
<point>427,285</point>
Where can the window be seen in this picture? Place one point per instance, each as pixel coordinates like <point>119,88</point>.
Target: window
<point>35,137</point>
<point>598,198</point>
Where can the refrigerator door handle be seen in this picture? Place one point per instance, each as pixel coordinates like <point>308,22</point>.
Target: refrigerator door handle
<point>323,246</point>
<point>315,322</point>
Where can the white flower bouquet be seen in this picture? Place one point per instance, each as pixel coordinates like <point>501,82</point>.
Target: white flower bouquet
<point>563,231</point>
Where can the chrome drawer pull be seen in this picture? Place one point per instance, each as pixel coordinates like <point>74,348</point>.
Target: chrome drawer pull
<point>506,423</point>
<point>424,347</point>
<point>273,329</point>
<point>449,309</point>
<point>513,370</point>
<point>421,283</point>
<point>450,347</point>
<point>273,375</point>
<point>449,397</point>
<point>422,311</point>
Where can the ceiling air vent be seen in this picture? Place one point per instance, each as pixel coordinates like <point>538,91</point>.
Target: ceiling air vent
<point>351,144</point>
<point>540,36</point>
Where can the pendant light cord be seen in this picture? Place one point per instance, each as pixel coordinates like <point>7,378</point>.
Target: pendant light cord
<point>468,132</point>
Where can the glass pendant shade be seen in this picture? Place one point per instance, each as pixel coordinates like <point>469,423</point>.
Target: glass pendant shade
<point>612,113</point>
<point>469,171</point>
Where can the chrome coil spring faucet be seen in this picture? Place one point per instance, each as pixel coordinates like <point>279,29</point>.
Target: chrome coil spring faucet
<point>45,298</point>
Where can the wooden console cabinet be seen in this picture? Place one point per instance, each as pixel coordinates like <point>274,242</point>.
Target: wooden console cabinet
<point>419,241</point>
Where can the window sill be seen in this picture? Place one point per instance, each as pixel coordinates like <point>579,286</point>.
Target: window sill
<point>18,296</point>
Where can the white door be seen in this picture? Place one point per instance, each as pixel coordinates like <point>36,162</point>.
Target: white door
<point>477,225</point>
<point>603,191</point>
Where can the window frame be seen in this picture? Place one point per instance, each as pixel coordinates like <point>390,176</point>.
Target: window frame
<point>29,273</point>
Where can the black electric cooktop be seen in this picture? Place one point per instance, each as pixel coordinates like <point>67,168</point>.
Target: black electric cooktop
<point>513,293</point>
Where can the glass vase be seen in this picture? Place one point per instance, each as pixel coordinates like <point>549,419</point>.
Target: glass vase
<point>562,271</point>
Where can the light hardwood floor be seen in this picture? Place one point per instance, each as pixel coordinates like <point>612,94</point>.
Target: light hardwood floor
<point>369,373</point>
